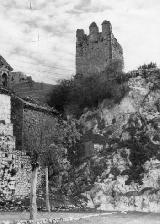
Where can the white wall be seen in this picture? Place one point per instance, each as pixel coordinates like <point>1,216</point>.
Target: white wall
<point>5,108</point>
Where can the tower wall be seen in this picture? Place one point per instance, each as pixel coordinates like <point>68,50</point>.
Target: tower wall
<point>94,52</point>
<point>117,52</point>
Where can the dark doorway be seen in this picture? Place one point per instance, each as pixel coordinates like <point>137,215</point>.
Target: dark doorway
<point>4,80</point>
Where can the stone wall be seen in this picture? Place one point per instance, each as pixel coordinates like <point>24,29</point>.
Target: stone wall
<point>22,84</point>
<point>12,162</point>
<point>17,120</point>
<point>30,126</point>
<point>35,90</point>
<point>5,109</point>
<point>117,53</point>
<point>17,77</point>
<point>35,125</point>
<point>15,164</point>
<point>97,50</point>
<point>23,175</point>
<point>25,115</point>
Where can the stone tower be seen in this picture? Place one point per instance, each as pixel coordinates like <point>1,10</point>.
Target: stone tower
<point>94,52</point>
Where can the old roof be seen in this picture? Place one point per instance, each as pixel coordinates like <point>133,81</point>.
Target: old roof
<point>4,62</point>
<point>5,91</point>
<point>29,103</point>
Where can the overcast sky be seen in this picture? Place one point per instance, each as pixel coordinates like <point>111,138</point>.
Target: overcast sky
<point>38,36</point>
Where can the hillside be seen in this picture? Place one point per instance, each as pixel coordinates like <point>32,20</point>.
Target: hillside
<point>35,90</point>
<point>120,169</point>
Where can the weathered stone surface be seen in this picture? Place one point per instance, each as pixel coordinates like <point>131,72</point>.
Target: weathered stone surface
<point>15,167</point>
<point>94,52</point>
<point>120,176</point>
<point>5,109</point>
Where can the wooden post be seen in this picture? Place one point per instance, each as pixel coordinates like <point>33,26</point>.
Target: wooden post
<point>33,196</point>
<point>47,190</point>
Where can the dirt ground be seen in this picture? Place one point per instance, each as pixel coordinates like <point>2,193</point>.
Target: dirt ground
<point>91,218</point>
<point>118,218</point>
<point>15,216</point>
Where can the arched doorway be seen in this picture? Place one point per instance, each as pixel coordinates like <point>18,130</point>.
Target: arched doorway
<point>4,80</point>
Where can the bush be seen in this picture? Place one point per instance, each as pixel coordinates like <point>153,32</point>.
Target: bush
<point>141,147</point>
<point>148,66</point>
<point>74,95</point>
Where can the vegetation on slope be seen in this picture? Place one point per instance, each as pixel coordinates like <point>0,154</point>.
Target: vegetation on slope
<point>74,95</point>
<point>151,65</point>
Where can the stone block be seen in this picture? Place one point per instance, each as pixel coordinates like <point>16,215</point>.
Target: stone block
<point>6,129</point>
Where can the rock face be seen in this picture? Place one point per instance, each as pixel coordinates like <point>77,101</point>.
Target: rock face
<point>94,52</point>
<point>122,173</point>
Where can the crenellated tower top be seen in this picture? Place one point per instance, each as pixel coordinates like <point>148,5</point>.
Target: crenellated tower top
<point>93,32</point>
<point>95,51</point>
<point>106,29</point>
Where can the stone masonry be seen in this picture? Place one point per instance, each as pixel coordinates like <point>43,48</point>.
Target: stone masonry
<point>15,168</point>
<point>7,145</point>
<point>22,84</point>
<point>20,121</point>
<point>94,52</point>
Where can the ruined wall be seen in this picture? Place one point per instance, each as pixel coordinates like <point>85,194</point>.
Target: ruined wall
<point>35,90</point>
<point>117,53</point>
<point>14,165</point>
<point>7,145</point>
<point>17,120</point>
<point>21,84</point>
<point>4,74</point>
<point>97,50</point>
<point>36,126</point>
<point>17,77</point>
<point>29,119</point>
<point>5,109</point>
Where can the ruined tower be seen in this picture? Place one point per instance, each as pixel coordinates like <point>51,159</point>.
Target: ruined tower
<point>94,52</point>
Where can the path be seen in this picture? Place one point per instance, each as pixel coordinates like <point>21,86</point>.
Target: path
<point>91,218</point>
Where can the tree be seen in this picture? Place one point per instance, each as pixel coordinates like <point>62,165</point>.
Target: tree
<point>38,136</point>
<point>80,92</point>
<point>59,140</point>
<point>144,144</point>
<point>46,140</point>
<point>151,65</point>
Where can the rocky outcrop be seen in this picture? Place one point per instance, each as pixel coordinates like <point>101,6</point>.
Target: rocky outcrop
<point>122,172</point>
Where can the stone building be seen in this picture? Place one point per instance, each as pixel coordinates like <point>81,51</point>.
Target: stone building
<point>22,84</point>
<point>14,165</point>
<point>27,115</point>
<point>5,70</point>
<point>94,52</point>
<point>17,116</point>
<point>8,78</point>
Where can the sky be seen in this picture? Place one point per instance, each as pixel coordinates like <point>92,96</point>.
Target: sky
<point>38,36</point>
